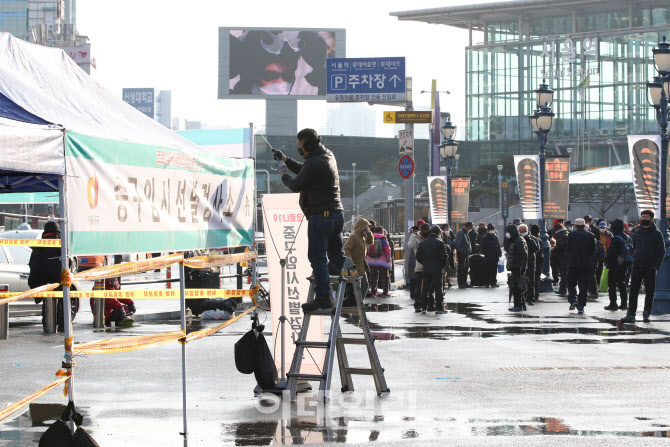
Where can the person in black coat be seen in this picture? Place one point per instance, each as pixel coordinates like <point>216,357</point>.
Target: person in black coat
<point>616,263</point>
<point>649,251</point>
<point>582,263</point>
<point>539,259</point>
<point>433,257</point>
<point>490,248</point>
<point>517,261</point>
<point>561,249</point>
<point>533,248</point>
<point>463,246</point>
<point>45,268</point>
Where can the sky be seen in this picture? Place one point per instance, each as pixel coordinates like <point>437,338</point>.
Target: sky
<point>173,45</point>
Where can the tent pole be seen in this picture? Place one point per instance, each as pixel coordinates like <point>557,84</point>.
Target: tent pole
<point>68,364</point>
<point>182,302</point>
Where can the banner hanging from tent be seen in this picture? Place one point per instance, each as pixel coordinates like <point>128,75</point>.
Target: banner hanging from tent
<point>528,178</point>
<point>460,199</point>
<point>645,157</point>
<point>556,187</point>
<point>286,237</point>
<point>127,198</point>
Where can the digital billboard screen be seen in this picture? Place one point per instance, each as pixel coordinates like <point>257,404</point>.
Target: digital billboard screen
<point>264,63</point>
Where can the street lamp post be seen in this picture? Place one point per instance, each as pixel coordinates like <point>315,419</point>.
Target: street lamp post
<point>448,152</point>
<point>659,91</point>
<point>353,165</point>
<point>500,202</point>
<point>540,122</point>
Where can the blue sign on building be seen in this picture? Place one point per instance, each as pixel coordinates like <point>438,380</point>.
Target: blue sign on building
<point>365,79</point>
<point>142,99</point>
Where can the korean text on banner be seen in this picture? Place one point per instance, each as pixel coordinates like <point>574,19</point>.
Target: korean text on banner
<point>127,198</point>
<point>528,178</point>
<point>460,199</point>
<point>556,187</point>
<point>286,237</point>
<point>645,157</point>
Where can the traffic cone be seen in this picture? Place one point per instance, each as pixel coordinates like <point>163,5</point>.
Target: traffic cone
<point>168,275</point>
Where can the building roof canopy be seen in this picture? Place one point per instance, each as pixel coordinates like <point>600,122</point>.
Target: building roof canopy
<point>620,174</point>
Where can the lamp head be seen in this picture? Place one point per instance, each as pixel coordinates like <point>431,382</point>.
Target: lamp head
<point>662,57</point>
<point>544,95</point>
<point>448,130</point>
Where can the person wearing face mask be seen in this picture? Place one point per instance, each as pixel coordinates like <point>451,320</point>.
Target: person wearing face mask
<point>463,246</point>
<point>517,260</point>
<point>539,259</point>
<point>533,247</point>
<point>490,248</point>
<point>318,183</point>
<point>583,260</point>
<point>605,238</point>
<point>649,251</point>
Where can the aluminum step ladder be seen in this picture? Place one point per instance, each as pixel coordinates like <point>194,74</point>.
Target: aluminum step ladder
<point>336,340</point>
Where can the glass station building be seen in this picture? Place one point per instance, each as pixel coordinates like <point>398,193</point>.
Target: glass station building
<point>595,54</point>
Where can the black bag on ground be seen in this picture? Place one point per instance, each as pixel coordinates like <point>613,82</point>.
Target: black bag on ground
<point>59,434</point>
<point>83,439</point>
<point>265,370</point>
<point>477,271</point>
<point>245,353</point>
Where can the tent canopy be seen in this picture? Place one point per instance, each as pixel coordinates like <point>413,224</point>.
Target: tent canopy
<point>44,93</point>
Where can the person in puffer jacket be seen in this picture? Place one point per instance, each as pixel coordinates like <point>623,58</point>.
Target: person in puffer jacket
<point>517,261</point>
<point>378,258</point>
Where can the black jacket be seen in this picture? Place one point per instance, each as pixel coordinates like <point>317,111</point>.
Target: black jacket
<point>533,248</point>
<point>517,253</point>
<point>539,255</point>
<point>317,182</point>
<point>582,249</point>
<point>432,255</point>
<point>649,247</point>
<point>45,264</point>
<point>561,248</point>
<point>462,244</point>
<point>490,247</point>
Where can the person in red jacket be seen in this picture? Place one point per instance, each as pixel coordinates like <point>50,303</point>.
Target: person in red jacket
<point>120,311</point>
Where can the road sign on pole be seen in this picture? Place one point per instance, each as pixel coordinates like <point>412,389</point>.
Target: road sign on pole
<point>371,79</point>
<point>406,166</point>
<point>408,117</point>
<point>406,141</point>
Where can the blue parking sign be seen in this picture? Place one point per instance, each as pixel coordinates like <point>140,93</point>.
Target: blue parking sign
<point>375,79</point>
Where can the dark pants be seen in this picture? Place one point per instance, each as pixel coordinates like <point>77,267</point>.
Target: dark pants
<point>579,277</point>
<point>491,267</point>
<point>432,284</point>
<point>563,269</point>
<point>648,275</point>
<point>379,279</point>
<point>414,288</point>
<point>463,267</point>
<point>617,279</point>
<point>515,285</point>
<point>594,281</point>
<point>555,263</point>
<point>324,236</point>
<point>417,291</point>
<point>529,293</point>
<point>538,272</point>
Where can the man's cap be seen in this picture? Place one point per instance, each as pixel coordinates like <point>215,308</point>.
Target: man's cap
<point>580,222</point>
<point>568,222</point>
<point>420,222</point>
<point>602,224</point>
<point>491,227</point>
<point>516,222</point>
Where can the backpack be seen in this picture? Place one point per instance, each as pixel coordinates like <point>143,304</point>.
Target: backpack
<point>376,250</point>
<point>626,259</point>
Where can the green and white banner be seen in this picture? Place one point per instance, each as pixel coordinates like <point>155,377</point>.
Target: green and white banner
<point>128,198</point>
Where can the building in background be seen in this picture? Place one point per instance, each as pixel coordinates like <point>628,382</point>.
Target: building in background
<point>51,23</point>
<point>164,108</point>
<point>595,54</point>
<point>353,119</point>
<point>143,99</point>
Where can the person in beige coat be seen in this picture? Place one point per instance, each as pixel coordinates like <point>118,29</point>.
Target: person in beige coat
<point>356,247</point>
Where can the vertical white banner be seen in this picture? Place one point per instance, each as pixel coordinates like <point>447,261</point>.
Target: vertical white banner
<point>286,238</point>
<point>530,190</point>
<point>437,197</point>
<point>645,164</point>
<point>406,141</point>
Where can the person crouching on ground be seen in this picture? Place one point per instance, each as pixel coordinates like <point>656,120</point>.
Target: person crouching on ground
<point>433,257</point>
<point>354,249</point>
<point>379,259</point>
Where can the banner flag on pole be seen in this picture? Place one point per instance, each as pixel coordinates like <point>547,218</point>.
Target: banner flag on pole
<point>645,163</point>
<point>528,178</point>
<point>556,187</point>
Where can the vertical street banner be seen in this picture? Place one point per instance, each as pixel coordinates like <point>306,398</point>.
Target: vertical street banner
<point>127,197</point>
<point>460,199</point>
<point>645,162</point>
<point>406,141</point>
<point>286,238</point>
<point>437,196</point>
<point>528,178</point>
<point>556,187</point>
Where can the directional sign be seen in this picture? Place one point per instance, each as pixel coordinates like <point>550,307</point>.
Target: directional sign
<point>408,117</point>
<point>375,79</point>
<point>406,166</point>
<point>406,141</point>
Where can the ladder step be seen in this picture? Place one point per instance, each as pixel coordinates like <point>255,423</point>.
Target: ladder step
<point>313,344</point>
<point>361,371</point>
<point>353,341</point>
<point>350,310</point>
<point>322,312</point>
<point>306,376</point>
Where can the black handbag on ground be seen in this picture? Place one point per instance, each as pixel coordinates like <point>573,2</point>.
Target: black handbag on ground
<point>245,353</point>
<point>59,434</point>
<point>265,370</point>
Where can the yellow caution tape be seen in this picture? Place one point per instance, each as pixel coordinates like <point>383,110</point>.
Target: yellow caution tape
<point>128,268</point>
<point>197,335</point>
<point>31,242</point>
<point>32,292</point>
<point>63,373</point>
<point>149,294</point>
<point>68,343</point>
<point>16,406</point>
<point>200,262</point>
<point>127,344</point>
<point>65,278</point>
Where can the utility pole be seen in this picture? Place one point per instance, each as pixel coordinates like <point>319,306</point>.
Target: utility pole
<point>409,183</point>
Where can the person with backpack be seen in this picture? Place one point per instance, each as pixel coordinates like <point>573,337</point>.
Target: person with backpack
<point>433,256</point>
<point>413,244</point>
<point>617,262</point>
<point>463,246</point>
<point>649,251</point>
<point>379,259</point>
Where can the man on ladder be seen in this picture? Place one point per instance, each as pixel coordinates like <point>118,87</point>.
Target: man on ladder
<point>318,183</point>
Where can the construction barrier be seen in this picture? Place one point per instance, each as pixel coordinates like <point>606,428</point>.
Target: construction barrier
<point>127,344</point>
<point>143,294</point>
<point>31,242</point>
<point>16,406</point>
